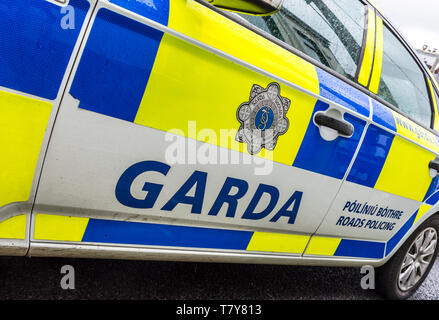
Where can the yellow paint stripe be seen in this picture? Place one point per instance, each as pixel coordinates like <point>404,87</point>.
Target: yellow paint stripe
<point>378,61</point>
<point>193,89</point>
<point>276,242</point>
<point>203,24</point>
<point>23,123</point>
<point>433,96</point>
<point>13,228</point>
<point>322,246</point>
<point>205,89</point>
<point>372,2</point>
<point>59,228</point>
<point>415,132</point>
<point>409,178</point>
<point>366,66</point>
<point>422,210</point>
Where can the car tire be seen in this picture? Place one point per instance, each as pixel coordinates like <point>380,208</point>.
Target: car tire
<point>402,275</point>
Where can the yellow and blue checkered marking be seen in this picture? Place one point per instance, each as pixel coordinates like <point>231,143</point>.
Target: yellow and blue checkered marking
<point>90,230</point>
<point>337,247</point>
<point>424,208</point>
<point>332,158</point>
<point>149,65</point>
<point>329,246</point>
<point>115,65</point>
<point>140,74</point>
<point>80,229</point>
<point>375,148</point>
<point>389,162</point>
<point>136,73</point>
<point>23,122</point>
<point>136,233</point>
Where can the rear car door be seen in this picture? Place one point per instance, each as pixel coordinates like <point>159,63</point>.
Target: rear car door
<point>388,187</point>
<point>154,78</point>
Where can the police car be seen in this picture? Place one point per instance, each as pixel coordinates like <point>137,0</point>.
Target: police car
<point>301,132</point>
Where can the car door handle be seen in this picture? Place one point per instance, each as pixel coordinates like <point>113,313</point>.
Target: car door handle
<point>434,164</point>
<point>343,127</point>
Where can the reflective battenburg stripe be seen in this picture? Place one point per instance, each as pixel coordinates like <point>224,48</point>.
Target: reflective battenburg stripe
<point>23,122</point>
<point>13,228</point>
<point>115,65</point>
<point>81,229</point>
<point>35,48</point>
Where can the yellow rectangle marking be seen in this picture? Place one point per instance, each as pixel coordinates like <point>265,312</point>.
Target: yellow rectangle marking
<point>276,242</point>
<point>13,228</point>
<point>406,172</point>
<point>415,132</point>
<point>323,246</point>
<point>433,97</point>
<point>196,94</point>
<point>422,210</point>
<point>366,66</point>
<point>378,60</point>
<point>23,123</point>
<point>59,228</point>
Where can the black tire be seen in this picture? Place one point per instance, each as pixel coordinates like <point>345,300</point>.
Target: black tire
<point>387,276</point>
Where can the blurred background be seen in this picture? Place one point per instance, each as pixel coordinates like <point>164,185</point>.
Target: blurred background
<point>418,21</point>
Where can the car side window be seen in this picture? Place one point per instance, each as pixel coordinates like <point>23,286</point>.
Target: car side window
<point>329,31</point>
<point>403,82</point>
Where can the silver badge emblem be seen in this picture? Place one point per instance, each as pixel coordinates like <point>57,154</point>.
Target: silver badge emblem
<point>263,118</point>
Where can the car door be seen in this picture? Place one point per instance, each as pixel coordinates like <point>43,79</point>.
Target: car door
<point>183,126</point>
<point>36,50</point>
<point>387,188</point>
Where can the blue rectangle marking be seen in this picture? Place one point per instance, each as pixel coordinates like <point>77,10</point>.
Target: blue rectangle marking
<point>340,92</point>
<point>432,198</point>
<point>115,66</point>
<point>136,233</point>
<point>35,48</point>
<point>391,244</point>
<point>331,158</point>
<point>371,157</point>
<point>360,249</point>
<point>157,10</point>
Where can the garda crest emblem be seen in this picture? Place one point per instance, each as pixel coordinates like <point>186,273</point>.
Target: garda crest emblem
<point>263,118</point>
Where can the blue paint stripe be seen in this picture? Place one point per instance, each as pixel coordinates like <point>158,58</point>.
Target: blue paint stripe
<point>340,92</point>
<point>382,115</point>
<point>433,199</point>
<point>360,249</point>
<point>157,10</point>
<point>115,66</point>
<point>331,158</point>
<point>400,234</point>
<point>122,232</point>
<point>34,49</point>
<point>371,158</point>
<point>434,186</point>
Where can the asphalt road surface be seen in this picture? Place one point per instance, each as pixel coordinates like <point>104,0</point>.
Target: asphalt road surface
<point>39,278</point>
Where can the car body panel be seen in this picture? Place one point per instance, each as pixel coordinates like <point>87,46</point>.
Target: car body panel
<point>138,81</point>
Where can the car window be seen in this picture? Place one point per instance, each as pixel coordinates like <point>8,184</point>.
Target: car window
<point>329,31</point>
<point>403,82</point>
